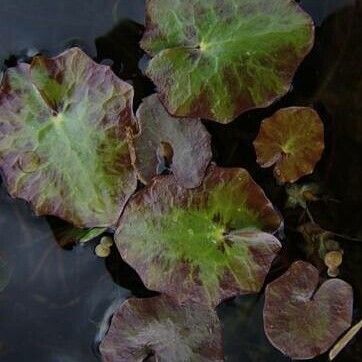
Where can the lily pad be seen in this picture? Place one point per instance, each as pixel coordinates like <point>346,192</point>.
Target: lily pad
<point>63,148</point>
<point>159,328</point>
<point>203,244</point>
<point>293,140</point>
<point>189,141</point>
<point>216,59</point>
<point>302,320</point>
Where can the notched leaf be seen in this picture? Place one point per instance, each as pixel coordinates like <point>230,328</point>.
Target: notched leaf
<point>183,145</point>
<point>292,140</point>
<point>158,327</point>
<point>302,320</point>
<point>204,244</point>
<point>63,147</point>
<point>216,59</point>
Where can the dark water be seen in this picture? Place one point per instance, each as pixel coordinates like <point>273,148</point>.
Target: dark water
<point>53,307</point>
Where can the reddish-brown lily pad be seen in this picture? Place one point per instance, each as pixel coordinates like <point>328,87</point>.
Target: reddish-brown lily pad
<point>216,59</point>
<point>63,144</point>
<point>204,244</point>
<point>189,142</point>
<point>293,140</point>
<point>302,320</point>
<point>161,330</point>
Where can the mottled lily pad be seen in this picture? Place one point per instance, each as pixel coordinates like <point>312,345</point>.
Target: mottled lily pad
<point>203,244</point>
<point>216,59</point>
<point>302,320</point>
<point>293,140</point>
<point>63,128</point>
<point>189,141</point>
<point>158,329</point>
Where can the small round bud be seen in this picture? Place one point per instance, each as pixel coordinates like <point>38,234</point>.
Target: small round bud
<point>107,241</point>
<point>102,251</point>
<point>333,260</point>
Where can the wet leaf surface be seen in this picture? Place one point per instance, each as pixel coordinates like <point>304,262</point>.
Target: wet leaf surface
<point>190,143</point>
<point>215,59</point>
<point>204,244</point>
<point>302,320</point>
<point>159,328</point>
<point>63,125</point>
<point>292,140</point>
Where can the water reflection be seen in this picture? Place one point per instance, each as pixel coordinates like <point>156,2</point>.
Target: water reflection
<point>51,26</point>
<point>244,338</point>
<point>322,9</point>
<point>121,45</point>
<point>53,307</point>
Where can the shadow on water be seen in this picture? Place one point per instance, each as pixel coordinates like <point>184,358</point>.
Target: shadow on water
<point>58,302</point>
<point>121,46</point>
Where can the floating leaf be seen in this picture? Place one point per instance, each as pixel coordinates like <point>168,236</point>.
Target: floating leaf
<point>189,141</point>
<point>160,328</point>
<point>301,320</point>
<point>293,140</point>
<point>203,244</point>
<point>91,234</point>
<point>67,235</point>
<point>215,59</point>
<point>63,128</point>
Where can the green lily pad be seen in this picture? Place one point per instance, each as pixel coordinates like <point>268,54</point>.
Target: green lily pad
<point>159,329</point>
<point>63,138</point>
<point>188,140</point>
<point>302,320</point>
<point>203,244</point>
<point>293,140</point>
<point>216,59</point>
<point>66,235</point>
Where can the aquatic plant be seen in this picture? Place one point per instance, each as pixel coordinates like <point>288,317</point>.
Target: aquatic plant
<point>302,320</point>
<point>186,142</point>
<point>63,136</point>
<point>197,233</point>
<point>293,140</point>
<point>158,327</point>
<point>204,244</point>
<point>216,59</point>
